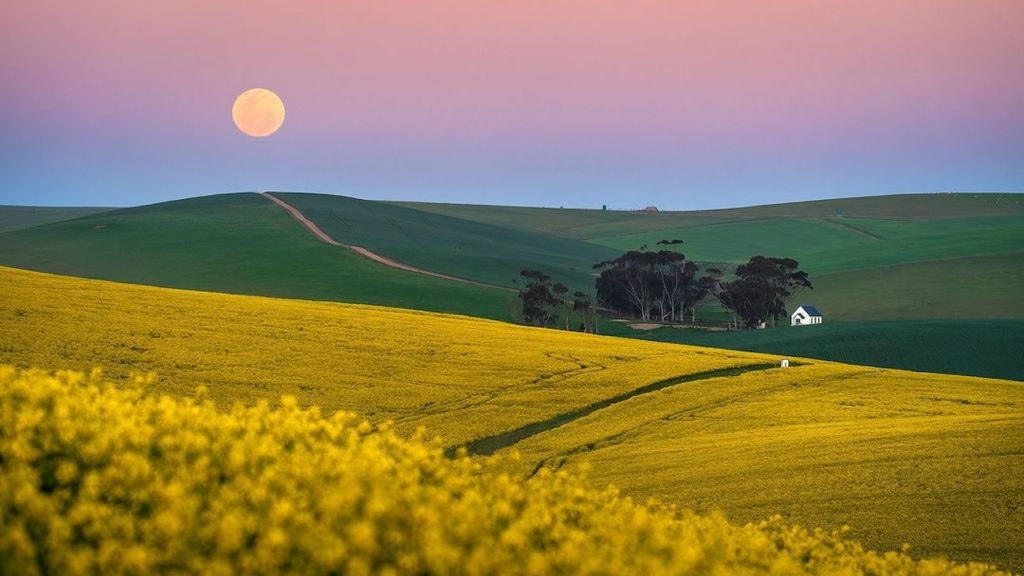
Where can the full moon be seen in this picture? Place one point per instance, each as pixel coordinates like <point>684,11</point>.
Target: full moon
<point>258,112</point>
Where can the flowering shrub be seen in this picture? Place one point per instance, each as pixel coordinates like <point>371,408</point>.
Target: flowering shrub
<point>98,479</point>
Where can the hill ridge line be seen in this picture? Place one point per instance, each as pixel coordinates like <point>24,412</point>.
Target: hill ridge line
<point>327,239</point>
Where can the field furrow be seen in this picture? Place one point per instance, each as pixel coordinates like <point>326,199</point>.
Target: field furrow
<point>491,444</point>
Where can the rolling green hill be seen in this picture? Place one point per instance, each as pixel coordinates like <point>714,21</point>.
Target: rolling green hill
<point>830,245</point>
<point>881,257</point>
<point>454,246</point>
<point>939,256</point>
<point>990,348</point>
<point>236,243</point>
<point>18,217</point>
<point>588,224</point>
<point>976,287</point>
<point>556,221</point>
<point>871,232</point>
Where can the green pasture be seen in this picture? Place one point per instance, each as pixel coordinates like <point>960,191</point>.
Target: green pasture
<point>824,246</point>
<point>454,246</point>
<point>235,243</point>
<point>977,287</point>
<point>975,347</point>
<point>594,223</point>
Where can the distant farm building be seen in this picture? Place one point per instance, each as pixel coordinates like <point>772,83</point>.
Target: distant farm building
<point>804,315</point>
<point>650,209</point>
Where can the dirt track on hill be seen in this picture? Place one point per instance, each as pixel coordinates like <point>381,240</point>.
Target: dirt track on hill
<point>326,238</point>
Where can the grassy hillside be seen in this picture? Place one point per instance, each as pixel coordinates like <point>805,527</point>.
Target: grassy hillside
<point>864,268</point>
<point>903,256</point>
<point>891,206</point>
<point>901,457</point>
<point>591,224</point>
<point>976,347</point>
<point>960,316</point>
<point>979,287</point>
<point>238,243</point>
<point>826,246</point>
<point>18,217</point>
<point>450,245</point>
<point>556,221</point>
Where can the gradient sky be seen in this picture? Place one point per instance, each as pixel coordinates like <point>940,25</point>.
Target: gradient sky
<point>528,102</point>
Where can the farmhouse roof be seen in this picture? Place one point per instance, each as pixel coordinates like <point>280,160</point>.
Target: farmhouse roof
<point>810,309</point>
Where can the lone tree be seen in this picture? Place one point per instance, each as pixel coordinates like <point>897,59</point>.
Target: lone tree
<point>761,289</point>
<point>561,294</point>
<point>539,302</point>
<point>583,306</point>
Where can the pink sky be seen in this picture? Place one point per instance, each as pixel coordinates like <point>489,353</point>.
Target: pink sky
<point>524,102</point>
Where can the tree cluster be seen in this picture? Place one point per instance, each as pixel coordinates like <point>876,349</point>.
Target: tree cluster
<point>757,296</point>
<point>659,285</point>
<point>550,305</point>
<point>664,286</point>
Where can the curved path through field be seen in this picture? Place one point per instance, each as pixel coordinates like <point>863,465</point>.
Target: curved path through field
<point>491,444</point>
<point>325,237</point>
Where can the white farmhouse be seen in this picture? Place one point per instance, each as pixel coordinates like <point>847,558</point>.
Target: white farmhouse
<point>804,315</point>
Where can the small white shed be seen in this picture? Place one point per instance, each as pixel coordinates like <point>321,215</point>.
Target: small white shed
<point>804,315</point>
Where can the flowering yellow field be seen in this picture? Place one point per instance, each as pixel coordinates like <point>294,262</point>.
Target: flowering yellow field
<point>933,460</point>
<point>97,480</point>
<point>937,461</point>
<point>460,377</point>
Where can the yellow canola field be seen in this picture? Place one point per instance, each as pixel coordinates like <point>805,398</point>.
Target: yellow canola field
<point>933,460</point>
<point>99,480</point>
<point>460,377</point>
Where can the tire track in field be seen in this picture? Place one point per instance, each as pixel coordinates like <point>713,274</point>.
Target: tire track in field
<point>856,229</point>
<point>478,399</point>
<point>491,444</point>
<point>616,438</point>
<point>326,238</point>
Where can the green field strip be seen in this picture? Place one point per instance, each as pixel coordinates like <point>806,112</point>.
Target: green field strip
<point>923,241</point>
<point>828,246</point>
<point>987,348</point>
<point>21,217</point>
<point>593,224</point>
<point>738,241</point>
<point>491,444</point>
<point>974,287</point>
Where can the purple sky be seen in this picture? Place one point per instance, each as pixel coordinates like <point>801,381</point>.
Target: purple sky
<point>534,102</point>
